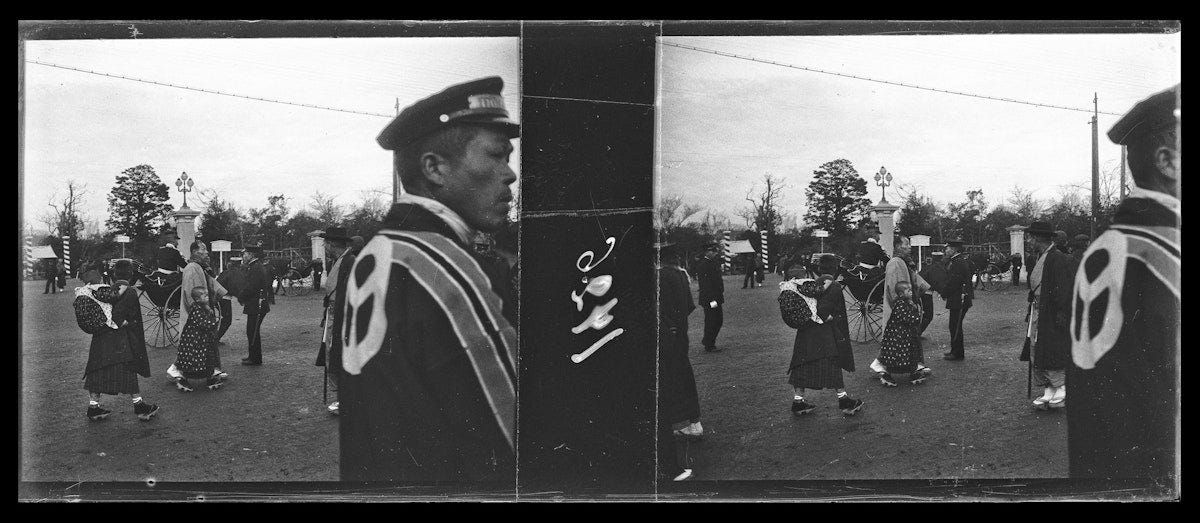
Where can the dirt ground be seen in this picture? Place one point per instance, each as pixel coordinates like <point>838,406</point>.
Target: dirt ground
<point>971,420</point>
<point>266,424</point>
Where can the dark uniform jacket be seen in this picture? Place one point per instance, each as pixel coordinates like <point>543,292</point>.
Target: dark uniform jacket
<point>169,259</point>
<point>712,287</point>
<point>258,291</point>
<point>959,291</point>
<point>1053,348</point>
<point>427,384</point>
<point>1125,327</point>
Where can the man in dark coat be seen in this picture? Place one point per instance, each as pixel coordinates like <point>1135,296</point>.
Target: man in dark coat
<point>679,402</point>
<point>1016,269</point>
<point>1124,420</point>
<point>427,385</point>
<point>1050,299</point>
<point>168,257</point>
<point>51,269</point>
<point>1030,261</point>
<point>337,246</point>
<point>711,295</point>
<point>256,297</point>
<point>959,293</point>
<point>751,270</point>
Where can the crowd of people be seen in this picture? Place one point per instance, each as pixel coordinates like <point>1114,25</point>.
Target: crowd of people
<point>425,372</point>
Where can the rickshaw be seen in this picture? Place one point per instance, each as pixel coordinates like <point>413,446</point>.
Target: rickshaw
<point>159,295</point>
<point>293,276</point>
<point>862,290</point>
<point>991,271</point>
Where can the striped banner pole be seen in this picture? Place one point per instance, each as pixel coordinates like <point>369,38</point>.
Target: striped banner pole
<point>763,235</point>
<point>67,255</point>
<point>28,256</point>
<point>725,255</point>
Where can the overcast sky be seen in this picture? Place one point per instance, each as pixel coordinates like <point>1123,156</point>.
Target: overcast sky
<point>724,121</point>
<point>90,128</point>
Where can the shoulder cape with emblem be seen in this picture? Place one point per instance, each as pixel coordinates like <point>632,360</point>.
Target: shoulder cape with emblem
<point>455,280</point>
<point>1097,318</point>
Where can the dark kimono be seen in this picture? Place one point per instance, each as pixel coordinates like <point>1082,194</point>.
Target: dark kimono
<point>1052,350</point>
<point>198,353</point>
<point>822,350</point>
<point>117,356</point>
<point>678,398</point>
<point>900,349</point>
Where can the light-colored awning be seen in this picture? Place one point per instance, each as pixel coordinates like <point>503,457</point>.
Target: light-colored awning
<point>42,252</point>
<point>740,247</point>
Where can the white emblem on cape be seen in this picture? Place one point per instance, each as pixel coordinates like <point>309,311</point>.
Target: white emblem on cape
<point>355,353</point>
<point>1086,350</point>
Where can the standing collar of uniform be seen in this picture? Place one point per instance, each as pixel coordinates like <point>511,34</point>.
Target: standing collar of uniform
<point>1164,199</point>
<point>465,233</point>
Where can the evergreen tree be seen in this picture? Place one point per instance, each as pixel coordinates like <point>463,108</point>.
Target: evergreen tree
<point>837,199</point>
<point>138,204</point>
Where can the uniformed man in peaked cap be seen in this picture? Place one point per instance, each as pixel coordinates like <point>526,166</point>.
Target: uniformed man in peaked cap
<point>960,292</point>
<point>1124,419</point>
<point>429,347</point>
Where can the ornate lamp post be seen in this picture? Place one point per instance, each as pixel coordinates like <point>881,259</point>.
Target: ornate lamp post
<point>883,179</point>
<point>884,212</point>
<point>184,184</point>
<point>185,218</point>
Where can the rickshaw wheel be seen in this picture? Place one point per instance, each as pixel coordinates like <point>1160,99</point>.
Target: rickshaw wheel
<point>992,278</point>
<point>864,317</point>
<point>160,322</point>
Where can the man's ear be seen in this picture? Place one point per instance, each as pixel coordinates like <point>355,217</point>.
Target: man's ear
<point>1165,160</point>
<point>432,165</point>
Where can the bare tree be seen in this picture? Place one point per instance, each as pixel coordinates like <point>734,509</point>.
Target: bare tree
<point>672,212</point>
<point>66,211</point>
<point>764,212</point>
<point>326,209</point>
<point>1024,204</point>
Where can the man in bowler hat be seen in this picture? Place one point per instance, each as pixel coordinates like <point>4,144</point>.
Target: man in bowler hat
<point>337,246</point>
<point>959,294</point>
<point>427,380</point>
<point>711,295</point>
<point>1125,326</point>
<point>1050,314</point>
<point>256,297</point>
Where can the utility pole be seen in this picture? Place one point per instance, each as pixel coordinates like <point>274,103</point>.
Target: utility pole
<point>1095,161</point>
<point>397,187</point>
<point>1122,189</point>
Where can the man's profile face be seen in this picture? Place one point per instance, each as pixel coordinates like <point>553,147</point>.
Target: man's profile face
<point>477,183</point>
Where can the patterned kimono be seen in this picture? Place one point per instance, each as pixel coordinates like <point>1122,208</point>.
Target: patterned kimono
<point>198,353</point>
<point>900,349</point>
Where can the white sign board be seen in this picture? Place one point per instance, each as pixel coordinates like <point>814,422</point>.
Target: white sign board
<point>740,247</point>
<point>821,233</point>
<point>919,240</point>
<point>221,246</point>
<point>121,238</point>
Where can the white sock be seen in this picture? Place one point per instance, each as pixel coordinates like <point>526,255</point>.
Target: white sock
<point>137,399</point>
<point>797,397</point>
<point>93,403</point>
<point>842,394</point>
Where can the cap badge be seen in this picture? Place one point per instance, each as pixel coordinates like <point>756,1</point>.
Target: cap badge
<point>485,101</point>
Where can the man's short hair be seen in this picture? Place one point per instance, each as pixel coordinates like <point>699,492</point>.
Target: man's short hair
<point>1142,152</point>
<point>449,143</point>
<point>827,264</point>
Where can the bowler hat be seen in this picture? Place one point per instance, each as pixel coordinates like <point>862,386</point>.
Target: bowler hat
<point>335,233</point>
<point>254,247</point>
<point>954,242</point>
<point>1147,116</point>
<point>666,249</point>
<point>1040,229</point>
<point>477,102</point>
